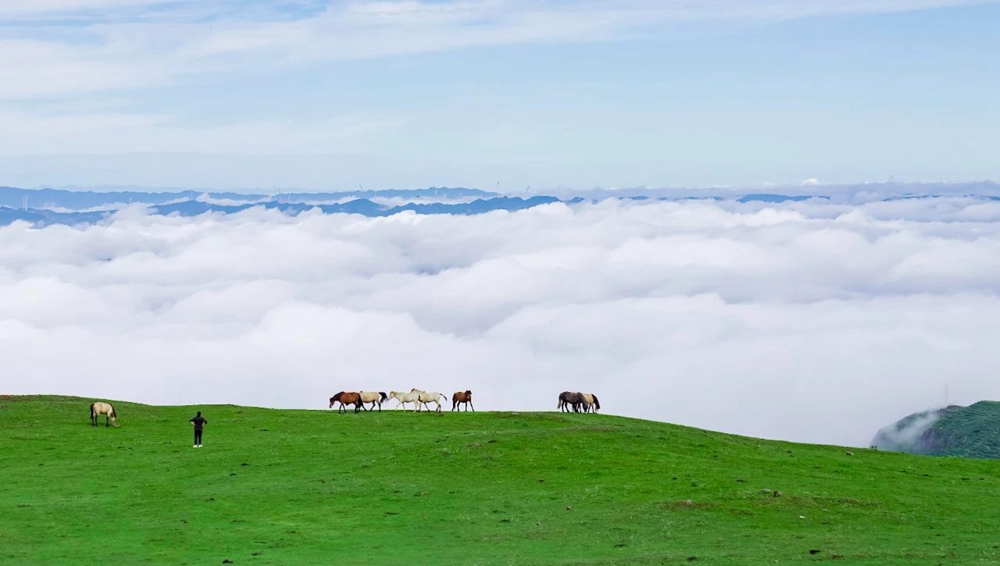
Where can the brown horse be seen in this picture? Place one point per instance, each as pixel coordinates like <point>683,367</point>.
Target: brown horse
<point>102,408</point>
<point>346,398</point>
<point>462,397</point>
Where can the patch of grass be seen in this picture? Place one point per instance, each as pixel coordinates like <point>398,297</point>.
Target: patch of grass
<point>285,487</point>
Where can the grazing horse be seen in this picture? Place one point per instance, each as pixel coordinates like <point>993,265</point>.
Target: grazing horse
<point>373,397</point>
<point>568,399</point>
<point>427,397</point>
<point>101,408</point>
<point>590,403</point>
<point>346,398</point>
<point>404,398</point>
<point>462,397</point>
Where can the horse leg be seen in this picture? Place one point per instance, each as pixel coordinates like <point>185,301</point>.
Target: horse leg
<point>473,407</point>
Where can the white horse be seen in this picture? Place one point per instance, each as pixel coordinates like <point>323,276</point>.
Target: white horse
<point>590,403</point>
<point>404,398</point>
<point>373,397</point>
<point>427,397</point>
<point>101,408</point>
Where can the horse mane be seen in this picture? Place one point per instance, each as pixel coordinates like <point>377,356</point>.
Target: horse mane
<point>384,396</point>
<point>597,403</point>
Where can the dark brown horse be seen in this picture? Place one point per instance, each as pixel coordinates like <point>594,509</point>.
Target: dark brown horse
<point>346,398</point>
<point>462,397</point>
<point>569,399</point>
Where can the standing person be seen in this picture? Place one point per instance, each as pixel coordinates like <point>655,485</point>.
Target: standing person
<point>199,423</point>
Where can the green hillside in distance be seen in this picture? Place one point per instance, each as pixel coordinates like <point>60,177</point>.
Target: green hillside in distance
<point>317,487</point>
<point>969,432</point>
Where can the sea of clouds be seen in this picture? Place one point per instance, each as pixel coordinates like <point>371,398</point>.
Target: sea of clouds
<point>811,321</point>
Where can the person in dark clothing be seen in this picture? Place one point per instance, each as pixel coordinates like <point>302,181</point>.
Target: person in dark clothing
<point>199,423</point>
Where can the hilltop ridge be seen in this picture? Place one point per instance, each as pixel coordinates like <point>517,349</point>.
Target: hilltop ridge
<point>314,486</point>
<point>971,432</point>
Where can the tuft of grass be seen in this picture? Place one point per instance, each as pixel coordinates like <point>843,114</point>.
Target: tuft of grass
<point>315,487</point>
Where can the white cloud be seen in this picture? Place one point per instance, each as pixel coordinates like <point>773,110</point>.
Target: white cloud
<point>811,321</point>
<point>111,45</point>
<point>13,9</point>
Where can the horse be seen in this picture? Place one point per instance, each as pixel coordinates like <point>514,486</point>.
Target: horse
<point>346,398</point>
<point>373,397</point>
<point>427,397</point>
<point>404,398</point>
<point>101,408</point>
<point>462,397</point>
<point>590,402</point>
<point>568,399</point>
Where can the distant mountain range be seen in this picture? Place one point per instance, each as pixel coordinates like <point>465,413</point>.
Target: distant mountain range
<point>58,206</point>
<point>13,197</point>
<point>54,206</point>
<point>364,207</point>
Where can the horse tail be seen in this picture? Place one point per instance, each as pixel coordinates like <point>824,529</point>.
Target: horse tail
<point>92,410</point>
<point>597,403</point>
<point>384,396</point>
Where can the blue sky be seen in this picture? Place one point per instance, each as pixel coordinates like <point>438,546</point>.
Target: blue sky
<point>327,95</point>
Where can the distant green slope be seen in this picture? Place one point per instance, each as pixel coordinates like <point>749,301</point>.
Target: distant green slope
<point>315,487</point>
<point>971,432</point>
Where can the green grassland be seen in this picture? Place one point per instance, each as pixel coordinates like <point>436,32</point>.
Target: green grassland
<point>315,487</point>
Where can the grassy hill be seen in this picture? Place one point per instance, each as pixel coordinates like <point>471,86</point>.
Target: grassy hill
<point>970,432</point>
<point>315,487</point>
